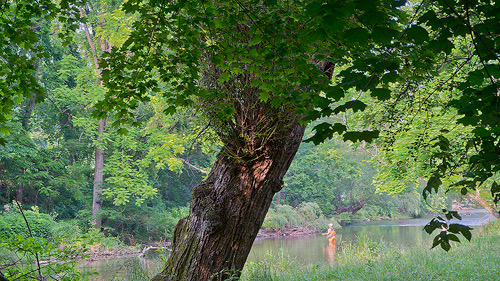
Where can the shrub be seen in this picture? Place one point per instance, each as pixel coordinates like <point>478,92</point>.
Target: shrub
<point>12,224</point>
<point>305,215</point>
<point>20,259</point>
<point>309,210</point>
<point>68,229</point>
<point>94,237</point>
<point>162,224</point>
<point>274,220</point>
<point>292,216</point>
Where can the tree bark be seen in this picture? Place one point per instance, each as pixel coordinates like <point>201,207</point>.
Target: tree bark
<point>98,178</point>
<point>484,204</point>
<point>227,210</point>
<point>19,193</point>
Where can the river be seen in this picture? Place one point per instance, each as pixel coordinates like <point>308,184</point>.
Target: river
<point>311,249</point>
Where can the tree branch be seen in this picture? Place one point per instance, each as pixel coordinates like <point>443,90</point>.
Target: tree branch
<point>192,166</point>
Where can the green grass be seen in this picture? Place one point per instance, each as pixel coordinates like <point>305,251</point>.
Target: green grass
<point>367,260</point>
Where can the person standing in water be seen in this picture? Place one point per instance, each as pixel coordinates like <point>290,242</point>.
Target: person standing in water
<point>330,234</point>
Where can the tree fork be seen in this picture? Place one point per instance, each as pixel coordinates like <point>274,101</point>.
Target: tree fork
<point>227,210</point>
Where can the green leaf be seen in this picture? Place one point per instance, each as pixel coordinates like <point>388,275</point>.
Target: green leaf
<point>445,245</point>
<point>355,105</point>
<point>381,93</point>
<point>4,130</point>
<point>122,131</point>
<point>256,39</point>
<point>264,96</point>
<point>398,3</point>
<point>467,234</point>
<point>453,237</point>
<point>357,35</point>
<point>224,77</point>
<point>417,34</point>
<point>495,192</point>
<point>367,136</point>
<point>325,131</point>
<point>390,77</point>
<point>170,110</point>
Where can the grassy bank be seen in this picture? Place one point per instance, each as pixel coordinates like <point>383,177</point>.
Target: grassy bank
<point>367,260</point>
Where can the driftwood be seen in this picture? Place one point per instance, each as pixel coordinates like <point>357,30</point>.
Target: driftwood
<point>146,249</point>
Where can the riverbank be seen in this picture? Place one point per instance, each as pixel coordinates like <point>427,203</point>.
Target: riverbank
<point>95,253</point>
<point>290,231</point>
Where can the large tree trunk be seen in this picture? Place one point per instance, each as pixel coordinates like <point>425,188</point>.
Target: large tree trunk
<point>484,204</point>
<point>227,211</point>
<point>99,153</point>
<point>98,178</point>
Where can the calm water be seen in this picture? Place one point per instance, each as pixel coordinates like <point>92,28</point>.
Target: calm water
<point>400,233</point>
<point>314,249</point>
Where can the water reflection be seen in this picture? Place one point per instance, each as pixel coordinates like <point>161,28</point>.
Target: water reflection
<point>329,252</point>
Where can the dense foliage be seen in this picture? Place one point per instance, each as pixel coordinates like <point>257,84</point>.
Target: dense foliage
<point>422,76</point>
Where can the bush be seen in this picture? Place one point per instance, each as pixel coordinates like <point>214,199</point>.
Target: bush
<point>274,220</point>
<point>68,229</point>
<point>98,240</point>
<point>162,224</point>
<point>307,214</point>
<point>12,224</point>
<point>292,216</point>
<point>21,255</point>
<point>309,210</point>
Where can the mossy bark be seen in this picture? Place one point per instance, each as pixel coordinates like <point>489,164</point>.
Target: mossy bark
<point>227,211</point>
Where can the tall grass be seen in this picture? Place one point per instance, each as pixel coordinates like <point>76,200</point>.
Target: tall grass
<point>369,260</point>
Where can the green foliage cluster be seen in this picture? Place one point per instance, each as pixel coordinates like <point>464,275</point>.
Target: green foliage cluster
<point>307,214</point>
<point>330,174</point>
<point>35,258</point>
<point>21,50</point>
<point>12,225</point>
<point>68,229</point>
<point>162,224</point>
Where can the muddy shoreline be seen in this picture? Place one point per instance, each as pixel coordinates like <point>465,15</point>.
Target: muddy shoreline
<point>293,231</point>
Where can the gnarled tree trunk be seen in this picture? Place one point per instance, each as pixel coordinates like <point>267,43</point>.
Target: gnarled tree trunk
<point>227,211</point>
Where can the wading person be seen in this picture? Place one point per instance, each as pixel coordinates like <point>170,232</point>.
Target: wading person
<point>330,234</point>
